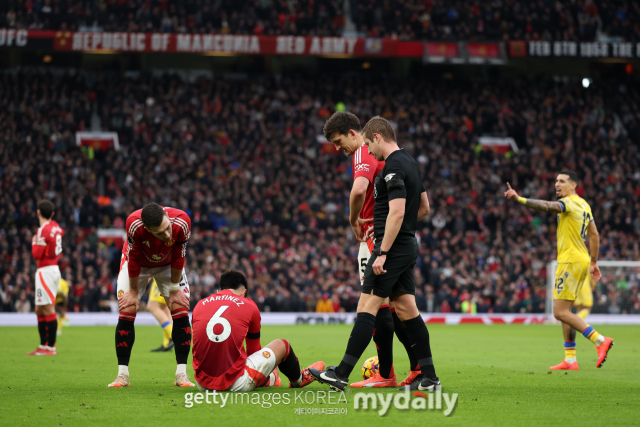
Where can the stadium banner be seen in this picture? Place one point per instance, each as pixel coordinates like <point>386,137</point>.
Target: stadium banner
<point>110,236</point>
<point>438,53</point>
<point>98,140</point>
<point>486,53</point>
<point>214,44</point>
<point>147,319</point>
<point>464,53</point>
<point>569,49</point>
<point>501,145</point>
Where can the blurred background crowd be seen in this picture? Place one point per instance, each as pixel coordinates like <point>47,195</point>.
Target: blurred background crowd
<point>243,159</point>
<point>575,20</point>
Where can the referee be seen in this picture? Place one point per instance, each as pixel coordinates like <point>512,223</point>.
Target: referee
<point>400,201</point>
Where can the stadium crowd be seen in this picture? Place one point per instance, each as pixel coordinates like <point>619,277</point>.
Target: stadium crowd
<point>243,158</point>
<point>439,20</point>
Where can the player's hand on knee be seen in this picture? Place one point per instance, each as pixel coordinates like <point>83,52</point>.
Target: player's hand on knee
<point>378,265</point>
<point>178,297</point>
<point>129,299</point>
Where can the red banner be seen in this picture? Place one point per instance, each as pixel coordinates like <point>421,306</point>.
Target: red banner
<point>445,50</point>
<point>483,50</point>
<point>222,44</point>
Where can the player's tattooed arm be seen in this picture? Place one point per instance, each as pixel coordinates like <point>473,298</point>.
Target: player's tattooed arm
<point>544,205</point>
<point>539,205</point>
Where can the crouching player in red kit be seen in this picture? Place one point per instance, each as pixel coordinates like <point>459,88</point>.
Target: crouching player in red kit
<point>156,246</point>
<point>221,324</point>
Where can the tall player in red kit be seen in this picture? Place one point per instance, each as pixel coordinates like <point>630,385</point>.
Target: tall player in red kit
<point>46,248</point>
<point>343,129</point>
<point>156,247</point>
<point>222,323</point>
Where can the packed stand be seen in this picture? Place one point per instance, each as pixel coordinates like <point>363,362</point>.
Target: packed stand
<point>498,20</point>
<point>403,19</point>
<point>243,159</point>
<point>259,17</point>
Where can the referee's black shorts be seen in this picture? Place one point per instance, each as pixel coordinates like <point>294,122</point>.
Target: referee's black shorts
<point>398,278</point>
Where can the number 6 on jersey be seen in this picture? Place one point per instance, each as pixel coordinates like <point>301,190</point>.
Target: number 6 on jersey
<point>215,320</point>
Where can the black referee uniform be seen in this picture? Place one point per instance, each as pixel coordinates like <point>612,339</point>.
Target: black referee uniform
<point>399,179</point>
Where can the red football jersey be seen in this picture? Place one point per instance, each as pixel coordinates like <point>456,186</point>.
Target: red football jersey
<point>48,246</point>
<point>364,164</point>
<point>143,249</point>
<point>220,324</point>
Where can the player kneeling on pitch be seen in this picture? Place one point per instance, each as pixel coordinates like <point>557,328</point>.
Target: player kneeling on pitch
<point>221,324</point>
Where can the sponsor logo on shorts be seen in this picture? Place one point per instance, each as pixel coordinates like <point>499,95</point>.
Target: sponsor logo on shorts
<point>186,290</point>
<point>120,293</point>
<point>266,354</point>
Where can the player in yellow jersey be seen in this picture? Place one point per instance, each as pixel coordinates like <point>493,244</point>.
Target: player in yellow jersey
<point>61,304</point>
<point>158,307</point>
<point>575,223</point>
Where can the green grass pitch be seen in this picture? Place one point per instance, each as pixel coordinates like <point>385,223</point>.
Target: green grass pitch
<point>500,373</point>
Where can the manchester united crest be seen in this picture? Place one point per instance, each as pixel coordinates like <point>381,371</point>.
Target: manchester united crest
<point>120,293</point>
<point>266,354</point>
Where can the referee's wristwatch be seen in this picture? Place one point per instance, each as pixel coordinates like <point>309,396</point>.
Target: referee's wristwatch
<point>380,252</point>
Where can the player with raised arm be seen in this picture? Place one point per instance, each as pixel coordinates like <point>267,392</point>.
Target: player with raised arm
<point>46,248</point>
<point>156,247</point>
<point>344,131</point>
<point>222,323</point>
<point>575,223</point>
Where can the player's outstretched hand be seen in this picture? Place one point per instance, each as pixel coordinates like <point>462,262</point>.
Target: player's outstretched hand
<point>511,193</point>
<point>357,228</point>
<point>595,271</point>
<point>378,265</point>
<point>128,299</point>
<point>178,297</point>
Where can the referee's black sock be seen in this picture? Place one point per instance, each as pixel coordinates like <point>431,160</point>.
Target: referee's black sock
<point>383,337</point>
<point>419,338</point>
<point>401,333</point>
<point>358,341</point>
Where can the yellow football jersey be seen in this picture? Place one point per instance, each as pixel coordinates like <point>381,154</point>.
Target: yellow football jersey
<point>572,229</point>
<point>63,288</point>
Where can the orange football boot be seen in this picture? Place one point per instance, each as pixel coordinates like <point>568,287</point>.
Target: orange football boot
<point>564,366</point>
<point>278,381</point>
<point>182,380</point>
<point>603,350</point>
<point>377,381</point>
<point>412,376</point>
<point>306,376</point>
<point>121,381</point>
<point>37,351</point>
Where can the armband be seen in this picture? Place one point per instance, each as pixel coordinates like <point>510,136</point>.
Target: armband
<point>522,200</point>
<point>174,287</point>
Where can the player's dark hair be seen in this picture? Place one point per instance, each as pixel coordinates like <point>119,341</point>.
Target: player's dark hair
<point>341,122</point>
<point>46,208</point>
<point>152,215</point>
<point>380,126</point>
<point>572,176</point>
<point>233,279</point>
